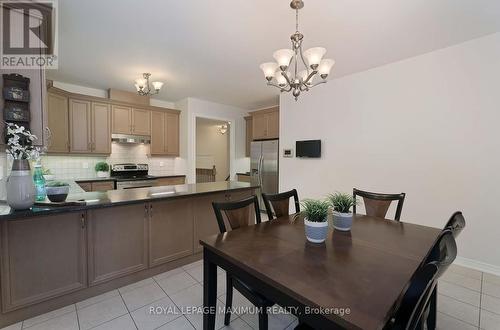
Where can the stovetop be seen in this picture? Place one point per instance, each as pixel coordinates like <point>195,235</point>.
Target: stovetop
<point>133,178</point>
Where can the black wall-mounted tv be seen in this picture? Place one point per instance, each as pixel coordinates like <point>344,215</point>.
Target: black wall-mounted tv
<point>308,149</point>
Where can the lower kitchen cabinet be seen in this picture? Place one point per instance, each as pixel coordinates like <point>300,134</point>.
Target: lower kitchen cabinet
<point>42,258</point>
<point>170,181</point>
<point>170,231</point>
<point>118,240</point>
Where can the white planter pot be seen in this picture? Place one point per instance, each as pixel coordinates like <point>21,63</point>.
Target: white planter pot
<point>102,174</point>
<point>342,221</point>
<point>19,186</point>
<point>316,232</point>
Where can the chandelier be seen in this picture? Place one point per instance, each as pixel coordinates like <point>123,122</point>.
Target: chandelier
<point>142,85</point>
<point>278,74</point>
<point>222,128</point>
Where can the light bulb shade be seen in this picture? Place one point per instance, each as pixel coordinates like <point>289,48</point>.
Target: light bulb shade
<point>269,69</point>
<point>304,74</point>
<point>314,55</point>
<point>157,85</point>
<point>325,66</point>
<point>141,82</point>
<point>280,79</point>
<point>283,56</point>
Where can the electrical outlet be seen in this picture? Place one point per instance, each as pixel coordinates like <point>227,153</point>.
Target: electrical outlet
<point>85,165</point>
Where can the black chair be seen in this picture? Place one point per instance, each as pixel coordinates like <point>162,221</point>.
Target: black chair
<point>456,223</point>
<point>238,215</point>
<point>414,311</point>
<point>377,204</point>
<point>280,203</point>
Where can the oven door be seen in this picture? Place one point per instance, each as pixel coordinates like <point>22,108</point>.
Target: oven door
<point>136,184</point>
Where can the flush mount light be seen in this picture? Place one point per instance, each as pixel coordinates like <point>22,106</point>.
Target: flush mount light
<point>277,74</point>
<point>143,87</point>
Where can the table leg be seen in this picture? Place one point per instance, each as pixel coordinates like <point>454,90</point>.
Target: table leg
<point>209,292</point>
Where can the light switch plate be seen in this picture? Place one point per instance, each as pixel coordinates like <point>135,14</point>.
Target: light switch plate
<point>288,153</point>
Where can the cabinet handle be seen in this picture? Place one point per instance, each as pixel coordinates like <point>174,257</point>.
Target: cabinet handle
<point>82,220</point>
<point>146,211</point>
<point>151,210</point>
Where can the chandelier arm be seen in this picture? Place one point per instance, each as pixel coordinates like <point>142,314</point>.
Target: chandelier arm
<point>310,76</point>
<point>274,85</point>
<point>318,83</point>
<point>286,77</point>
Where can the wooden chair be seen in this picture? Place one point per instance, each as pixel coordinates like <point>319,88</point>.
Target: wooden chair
<point>377,204</point>
<point>280,203</point>
<point>238,215</point>
<point>456,223</point>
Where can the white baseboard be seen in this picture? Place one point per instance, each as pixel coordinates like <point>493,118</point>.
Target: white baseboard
<point>478,265</point>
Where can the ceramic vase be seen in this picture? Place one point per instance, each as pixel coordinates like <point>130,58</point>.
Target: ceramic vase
<point>19,186</point>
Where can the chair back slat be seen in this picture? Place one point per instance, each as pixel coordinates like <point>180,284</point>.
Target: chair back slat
<point>456,223</point>
<point>278,205</point>
<point>377,204</point>
<point>238,213</point>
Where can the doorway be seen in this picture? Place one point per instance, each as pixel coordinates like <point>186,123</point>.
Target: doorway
<point>212,150</point>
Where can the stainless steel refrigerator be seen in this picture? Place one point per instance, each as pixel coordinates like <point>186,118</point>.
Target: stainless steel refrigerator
<point>264,167</point>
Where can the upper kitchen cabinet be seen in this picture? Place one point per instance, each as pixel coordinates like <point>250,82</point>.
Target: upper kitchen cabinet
<point>265,124</point>
<point>248,134</point>
<point>58,123</point>
<point>127,120</point>
<point>165,133</point>
<point>101,128</point>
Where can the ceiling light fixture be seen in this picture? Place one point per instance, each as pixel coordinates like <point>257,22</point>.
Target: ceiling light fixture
<point>222,128</point>
<point>143,88</point>
<point>277,74</point>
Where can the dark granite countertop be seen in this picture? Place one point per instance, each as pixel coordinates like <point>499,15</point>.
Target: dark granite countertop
<point>114,179</point>
<point>122,197</point>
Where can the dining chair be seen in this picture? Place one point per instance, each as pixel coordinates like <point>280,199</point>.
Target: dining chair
<point>238,215</point>
<point>377,204</point>
<point>280,203</point>
<point>456,223</point>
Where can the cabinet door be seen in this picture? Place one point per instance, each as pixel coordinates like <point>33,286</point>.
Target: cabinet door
<point>86,186</point>
<point>170,231</point>
<point>259,126</point>
<point>80,126</point>
<point>58,123</point>
<point>170,181</point>
<point>122,119</point>
<point>101,128</point>
<point>249,136</point>
<point>42,258</point>
<point>205,223</point>
<point>141,122</point>
<point>117,242</point>
<point>103,185</point>
<point>172,134</point>
<point>273,124</point>
<point>157,133</point>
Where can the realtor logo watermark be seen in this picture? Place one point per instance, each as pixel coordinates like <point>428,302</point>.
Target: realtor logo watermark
<point>28,34</point>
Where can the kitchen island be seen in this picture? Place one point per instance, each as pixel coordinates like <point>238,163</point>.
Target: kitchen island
<point>55,256</point>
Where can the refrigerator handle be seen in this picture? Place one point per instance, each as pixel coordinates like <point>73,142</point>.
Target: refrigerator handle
<point>261,164</point>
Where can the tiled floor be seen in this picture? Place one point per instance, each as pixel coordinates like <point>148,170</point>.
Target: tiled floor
<point>468,299</point>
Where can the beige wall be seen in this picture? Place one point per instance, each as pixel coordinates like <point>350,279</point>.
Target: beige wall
<point>212,146</point>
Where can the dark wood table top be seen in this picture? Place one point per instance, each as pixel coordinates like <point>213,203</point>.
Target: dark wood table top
<point>366,270</point>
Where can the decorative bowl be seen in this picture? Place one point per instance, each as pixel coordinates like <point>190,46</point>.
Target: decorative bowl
<point>57,194</point>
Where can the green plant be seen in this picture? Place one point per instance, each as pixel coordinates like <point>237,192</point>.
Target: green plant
<point>56,184</point>
<point>101,166</point>
<point>315,210</point>
<point>342,202</point>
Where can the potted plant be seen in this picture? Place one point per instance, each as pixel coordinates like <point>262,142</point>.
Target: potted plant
<point>57,191</point>
<point>342,216</point>
<point>315,214</point>
<point>102,169</point>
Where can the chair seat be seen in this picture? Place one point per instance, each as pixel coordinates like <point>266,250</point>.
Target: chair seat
<point>255,298</point>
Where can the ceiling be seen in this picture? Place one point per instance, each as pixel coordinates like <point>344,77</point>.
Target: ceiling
<point>212,49</point>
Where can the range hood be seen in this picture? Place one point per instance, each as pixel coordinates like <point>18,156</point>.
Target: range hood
<point>130,139</point>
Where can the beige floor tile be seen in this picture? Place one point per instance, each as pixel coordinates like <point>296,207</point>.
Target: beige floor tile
<point>238,324</point>
<point>96,314</point>
<point>169,273</point>
<point>176,283</point>
<point>196,272</point>
<point>193,264</point>
<point>180,323</point>
<point>490,303</point>
<point>189,297</point>
<point>459,293</point>
<point>445,322</point>
<point>156,314</point>
<point>467,282</point>
<point>136,285</point>
<point>124,322</point>
<point>15,326</point>
<point>491,278</point>
<point>489,321</point>
<point>96,299</point>
<point>196,318</point>
<point>469,272</point>
<point>293,325</point>
<point>44,317</point>
<point>67,321</point>
<point>275,321</point>
<point>491,289</point>
<point>459,310</point>
<point>141,296</point>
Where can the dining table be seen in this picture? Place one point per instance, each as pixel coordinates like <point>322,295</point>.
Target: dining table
<point>354,280</point>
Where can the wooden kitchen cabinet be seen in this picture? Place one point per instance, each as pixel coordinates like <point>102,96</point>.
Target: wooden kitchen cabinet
<point>101,128</point>
<point>248,134</point>
<point>170,181</point>
<point>127,120</point>
<point>42,258</point>
<point>265,124</point>
<point>164,133</point>
<point>58,123</point>
<point>170,231</point>
<point>141,122</point>
<point>103,185</point>
<point>118,242</point>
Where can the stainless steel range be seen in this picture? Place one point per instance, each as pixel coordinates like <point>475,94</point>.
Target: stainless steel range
<point>130,176</point>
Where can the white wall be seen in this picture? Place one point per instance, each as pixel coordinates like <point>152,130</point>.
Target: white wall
<point>427,126</point>
<point>212,147</point>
